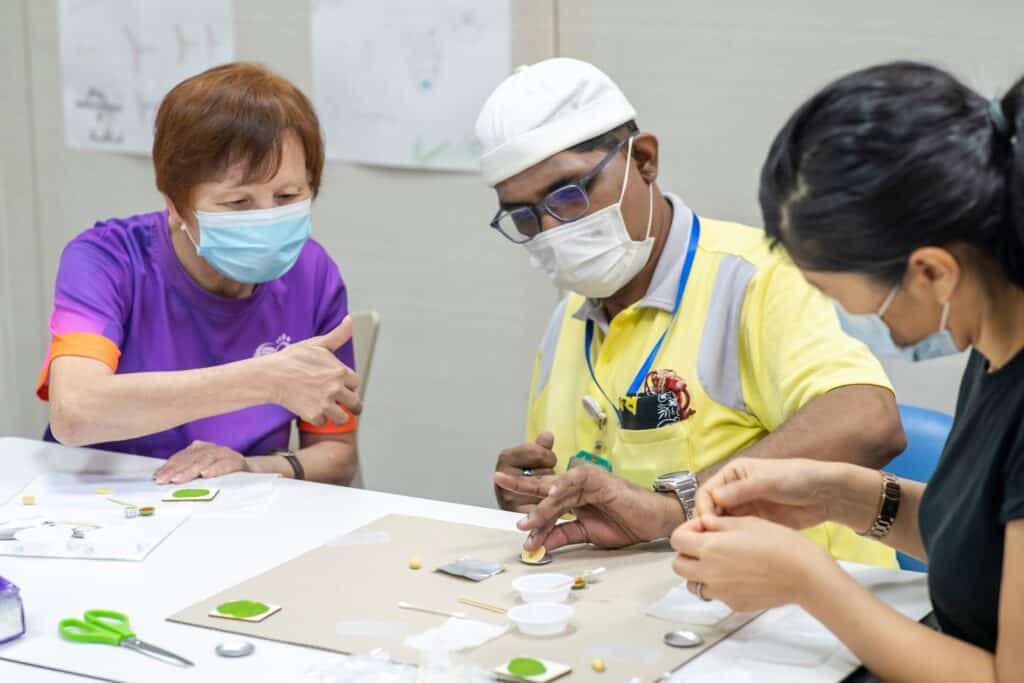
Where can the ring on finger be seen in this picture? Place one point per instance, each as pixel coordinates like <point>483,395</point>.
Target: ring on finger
<point>699,591</point>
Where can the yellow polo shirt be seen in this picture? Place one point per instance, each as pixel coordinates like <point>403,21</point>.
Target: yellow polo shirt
<point>753,341</point>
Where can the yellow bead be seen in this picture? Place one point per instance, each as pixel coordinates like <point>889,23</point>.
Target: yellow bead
<point>414,563</point>
<point>28,500</point>
<point>598,665</point>
<point>104,492</point>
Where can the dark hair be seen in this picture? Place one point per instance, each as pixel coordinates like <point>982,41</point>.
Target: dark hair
<point>893,158</point>
<point>606,141</point>
<point>232,113</point>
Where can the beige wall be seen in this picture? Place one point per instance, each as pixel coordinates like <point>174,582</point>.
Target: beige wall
<point>461,310</point>
<point>22,308</point>
<point>716,79</point>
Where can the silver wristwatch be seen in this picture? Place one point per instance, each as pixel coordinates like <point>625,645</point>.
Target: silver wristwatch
<point>684,485</point>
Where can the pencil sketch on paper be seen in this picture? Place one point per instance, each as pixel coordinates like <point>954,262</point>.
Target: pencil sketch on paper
<point>120,57</point>
<point>400,82</point>
<point>105,112</point>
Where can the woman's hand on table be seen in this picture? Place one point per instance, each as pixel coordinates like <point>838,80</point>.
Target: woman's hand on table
<point>748,563</point>
<point>610,511</point>
<point>201,459</point>
<point>309,380</point>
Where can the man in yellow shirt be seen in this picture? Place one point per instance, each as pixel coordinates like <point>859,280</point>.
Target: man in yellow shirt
<point>683,341</point>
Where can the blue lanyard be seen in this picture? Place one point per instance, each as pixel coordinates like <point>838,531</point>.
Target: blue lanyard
<point>684,276</point>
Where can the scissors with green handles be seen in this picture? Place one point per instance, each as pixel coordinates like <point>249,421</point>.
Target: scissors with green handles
<point>112,628</point>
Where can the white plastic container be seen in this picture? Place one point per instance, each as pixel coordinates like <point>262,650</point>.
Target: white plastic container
<point>541,618</point>
<point>12,613</point>
<point>543,587</point>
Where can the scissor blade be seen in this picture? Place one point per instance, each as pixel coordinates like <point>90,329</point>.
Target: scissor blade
<point>155,652</point>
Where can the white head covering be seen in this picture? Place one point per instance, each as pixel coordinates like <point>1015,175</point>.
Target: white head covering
<point>544,109</point>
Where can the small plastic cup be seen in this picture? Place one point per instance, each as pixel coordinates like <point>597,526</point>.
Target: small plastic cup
<point>543,587</point>
<point>541,618</point>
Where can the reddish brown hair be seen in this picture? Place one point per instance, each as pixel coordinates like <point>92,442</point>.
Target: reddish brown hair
<point>230,114</point>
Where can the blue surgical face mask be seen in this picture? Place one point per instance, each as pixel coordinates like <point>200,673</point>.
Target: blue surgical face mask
<point>871,329</point>
<point>254,246</point>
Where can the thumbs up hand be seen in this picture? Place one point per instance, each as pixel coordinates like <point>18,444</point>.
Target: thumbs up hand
<point>310,381</point>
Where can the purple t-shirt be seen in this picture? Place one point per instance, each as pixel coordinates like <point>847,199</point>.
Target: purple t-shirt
<point>121,288</point>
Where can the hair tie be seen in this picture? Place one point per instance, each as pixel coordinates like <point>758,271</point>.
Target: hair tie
<point>995,112</point>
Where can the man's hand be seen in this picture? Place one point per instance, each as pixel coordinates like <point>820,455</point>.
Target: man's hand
<point>200,460</point>
<point>610,511</point>
<point>537,458</point>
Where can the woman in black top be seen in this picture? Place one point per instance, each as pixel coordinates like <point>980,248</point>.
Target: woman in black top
<point>899,192</point>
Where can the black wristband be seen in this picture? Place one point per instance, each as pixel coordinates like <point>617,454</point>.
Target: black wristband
<point>293,460</point>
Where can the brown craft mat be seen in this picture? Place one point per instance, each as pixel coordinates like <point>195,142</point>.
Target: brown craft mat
<point>364,581</point>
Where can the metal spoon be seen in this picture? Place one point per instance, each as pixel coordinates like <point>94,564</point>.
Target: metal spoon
<point>235,648</point>
<point>683,639</point>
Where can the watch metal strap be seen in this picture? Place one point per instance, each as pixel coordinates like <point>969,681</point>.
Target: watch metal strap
<point>688,499</point>
<point>685,493</point>
<point>888,508</point>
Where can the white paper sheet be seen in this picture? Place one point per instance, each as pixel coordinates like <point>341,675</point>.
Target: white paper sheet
<point>455,635</point>
<point>67,501</point>
<point>681,606</point>
<point>400,82</point>
<point>48,531</point>
<point>241,493</point>
<point>120,57</point>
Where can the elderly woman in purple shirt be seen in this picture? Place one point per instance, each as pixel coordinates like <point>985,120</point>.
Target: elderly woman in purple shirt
<point>200,333</point>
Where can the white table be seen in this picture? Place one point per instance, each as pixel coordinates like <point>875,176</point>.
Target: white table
<point>303,516</point>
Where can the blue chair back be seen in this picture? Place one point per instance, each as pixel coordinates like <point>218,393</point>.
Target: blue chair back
<point>927,431</point>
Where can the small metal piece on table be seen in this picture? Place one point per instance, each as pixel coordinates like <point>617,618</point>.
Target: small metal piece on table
<point>235,648</point>
<point>683,639</point>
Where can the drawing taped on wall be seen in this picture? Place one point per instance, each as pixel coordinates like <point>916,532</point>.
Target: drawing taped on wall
<point>119,58</point>
<point>400,82</point>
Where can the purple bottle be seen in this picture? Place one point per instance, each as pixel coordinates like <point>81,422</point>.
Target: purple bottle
<point>12,614</point>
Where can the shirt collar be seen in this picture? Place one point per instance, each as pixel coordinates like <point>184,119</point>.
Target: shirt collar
<point>661,293</point>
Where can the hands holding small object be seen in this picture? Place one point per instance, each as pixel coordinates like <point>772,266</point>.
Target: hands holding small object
<point>201,459</point>
<point>610,511</point>
<point>743,547</point>
<point>530,460</point>
<point>747,514</point>
<point>747,563</point>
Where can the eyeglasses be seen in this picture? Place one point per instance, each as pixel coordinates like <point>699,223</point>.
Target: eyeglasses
<point>566,204</point>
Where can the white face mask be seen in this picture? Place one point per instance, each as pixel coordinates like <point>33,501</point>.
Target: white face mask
<point>594,256</point>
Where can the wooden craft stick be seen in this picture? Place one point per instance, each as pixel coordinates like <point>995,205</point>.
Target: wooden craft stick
<point>482,605</point>
<point>430,610</point>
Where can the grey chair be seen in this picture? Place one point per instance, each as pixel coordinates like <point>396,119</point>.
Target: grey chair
<point>365,326</point>
<point>364,335</point>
